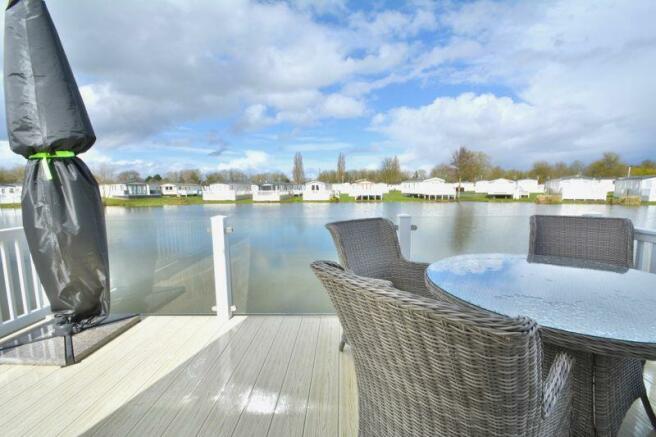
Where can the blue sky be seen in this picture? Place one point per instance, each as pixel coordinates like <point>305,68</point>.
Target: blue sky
<point>172,84</point>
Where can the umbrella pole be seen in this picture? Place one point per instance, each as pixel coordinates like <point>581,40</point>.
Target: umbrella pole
<point>69,353</point>
<point>64,326</point>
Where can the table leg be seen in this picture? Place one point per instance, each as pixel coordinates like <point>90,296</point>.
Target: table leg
<point>604,390</point>
<point>618,383</point>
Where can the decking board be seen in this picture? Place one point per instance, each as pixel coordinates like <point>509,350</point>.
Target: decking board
<point>254,376</point>
<point>146,374</point>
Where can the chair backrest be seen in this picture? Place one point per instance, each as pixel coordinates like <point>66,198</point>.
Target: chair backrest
<point>428,368</point>
<point>367,247</point>
<point>602,239</point>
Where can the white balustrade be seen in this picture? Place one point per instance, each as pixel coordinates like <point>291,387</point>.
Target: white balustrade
<point>22,297</point>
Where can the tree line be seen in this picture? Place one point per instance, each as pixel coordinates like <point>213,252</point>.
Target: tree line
<point>463,165</point>
<point>469,165</point>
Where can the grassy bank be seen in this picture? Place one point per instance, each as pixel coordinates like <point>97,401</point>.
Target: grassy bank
<point>393,196</point>
<point>153,201</point>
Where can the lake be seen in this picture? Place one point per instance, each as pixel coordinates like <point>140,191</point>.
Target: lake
<point>160,258</point>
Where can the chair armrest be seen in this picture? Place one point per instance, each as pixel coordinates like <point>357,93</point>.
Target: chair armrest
<point>409,276</point>
<point>557,389</point>
<point>418,268</point>
<point>381,282</point>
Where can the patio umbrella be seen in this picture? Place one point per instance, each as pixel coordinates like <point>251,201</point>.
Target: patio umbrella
<point>47,123</point>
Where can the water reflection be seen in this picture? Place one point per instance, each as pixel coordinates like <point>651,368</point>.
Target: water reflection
<point>463,225</point>
<point>161,258</point>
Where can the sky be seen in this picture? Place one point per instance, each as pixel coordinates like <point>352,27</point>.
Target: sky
<point>175,84</point>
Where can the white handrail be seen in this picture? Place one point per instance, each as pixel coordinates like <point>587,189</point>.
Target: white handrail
<point>25,300</point>
<point>222,278</point>
<point>645,243</point>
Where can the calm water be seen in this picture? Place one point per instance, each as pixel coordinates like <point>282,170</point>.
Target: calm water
<point>161,257</point>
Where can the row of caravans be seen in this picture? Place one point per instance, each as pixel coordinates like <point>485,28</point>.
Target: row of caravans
<point>312,191</point>
<point>570,188</point>
<point>133,190</point>
<point>437,188</point>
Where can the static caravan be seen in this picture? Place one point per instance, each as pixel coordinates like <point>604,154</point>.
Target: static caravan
<point>271,192</point>
<point>129,190</point>
<point>318,191</point>
<point>465,186</point>
<point>526,187</point>
<point>502,188</point>
<point>436,188</point>
<point>155,190</point>
<point>608,185</point>
<point>10,194</point>
<point>226,192</point>
<point>393,187</point>
<point>410,188</point>
<point>366,190</point>
<point>530,186</point>
<point>481,187</point>
<point>296,189</point>
<point>638,186</point>
<point>342,188</point>
<point>181,190</point>
<point>577,188</point>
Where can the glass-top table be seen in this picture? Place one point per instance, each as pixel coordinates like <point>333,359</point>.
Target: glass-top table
<point>594,300</point>
<point>604,316</point>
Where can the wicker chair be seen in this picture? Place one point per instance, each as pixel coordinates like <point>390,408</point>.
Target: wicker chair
<point>602,239</point>
<point>370,247</point>
<point>617,381</point>
<point>430,368</point>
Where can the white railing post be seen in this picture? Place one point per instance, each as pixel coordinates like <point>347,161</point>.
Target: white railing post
<point>222,281</point>
<point>645,246</point>
<point>405,234</point>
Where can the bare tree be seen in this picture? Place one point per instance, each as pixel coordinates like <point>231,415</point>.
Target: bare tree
<point>341,168</point>
<point>104,173</point>
<point>298,174</point>
<point>129,176</point>
<point>469,165</point>
<point>390,171</point>
<point>610,165</point>
<point>12,175</point>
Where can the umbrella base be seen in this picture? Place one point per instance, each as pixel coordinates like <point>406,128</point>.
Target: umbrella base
<point>42,345</point>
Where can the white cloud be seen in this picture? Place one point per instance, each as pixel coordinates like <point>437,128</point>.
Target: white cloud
<point>581,74</point>
<point>391,23</point>
<point>318,147</point>
<point>300,108</point>
<point>508,131</point>
<point>252,160</point>
<point>339,106</point>
<point>225,57</point>
<point>7,157</point>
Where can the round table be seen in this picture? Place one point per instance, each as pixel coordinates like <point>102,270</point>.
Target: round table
<point>605,316</point>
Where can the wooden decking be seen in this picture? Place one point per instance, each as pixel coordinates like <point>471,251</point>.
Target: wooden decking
<point>180,376</point>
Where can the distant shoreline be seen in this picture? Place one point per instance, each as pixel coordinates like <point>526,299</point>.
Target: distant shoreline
<point>394,196</point>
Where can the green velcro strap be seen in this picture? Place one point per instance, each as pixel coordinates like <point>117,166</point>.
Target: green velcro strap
<point>46,157</point>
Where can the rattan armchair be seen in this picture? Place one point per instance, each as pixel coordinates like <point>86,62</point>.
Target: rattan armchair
<point>601,239</point>
<point>370,247</point>
<point>430,368</point>
<point>617,381</point>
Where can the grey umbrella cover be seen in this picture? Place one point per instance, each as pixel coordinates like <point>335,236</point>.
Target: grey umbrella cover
<point>63,214</point>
